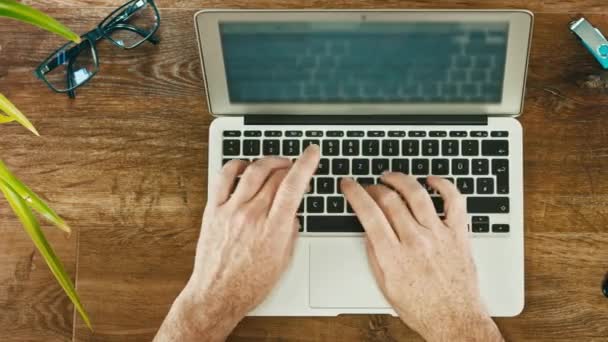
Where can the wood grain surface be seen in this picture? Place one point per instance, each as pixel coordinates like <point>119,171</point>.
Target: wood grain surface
<point>125,163</point>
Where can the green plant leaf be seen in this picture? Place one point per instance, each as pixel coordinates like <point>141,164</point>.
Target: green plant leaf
<point>32,200</point>
<point>31,226</point>
<point>6,119</point>
<point>10,110</point>
<point>15,10</point>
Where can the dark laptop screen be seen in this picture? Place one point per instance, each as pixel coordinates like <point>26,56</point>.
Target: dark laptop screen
<point>364,62</point>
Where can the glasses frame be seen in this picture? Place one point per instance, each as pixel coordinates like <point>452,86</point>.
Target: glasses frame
<point>101,31</point>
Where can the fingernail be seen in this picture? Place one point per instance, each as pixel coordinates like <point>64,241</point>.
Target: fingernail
<point>385,172</point>
<point>347,179</point>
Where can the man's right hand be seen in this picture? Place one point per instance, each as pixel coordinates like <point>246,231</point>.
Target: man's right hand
<point>423,265</point>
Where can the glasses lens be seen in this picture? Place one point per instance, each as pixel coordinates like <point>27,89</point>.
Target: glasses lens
<point>131,25</point>
<point>71,66</point>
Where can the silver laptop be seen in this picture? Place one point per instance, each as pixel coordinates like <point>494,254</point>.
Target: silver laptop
<point>421,92</point>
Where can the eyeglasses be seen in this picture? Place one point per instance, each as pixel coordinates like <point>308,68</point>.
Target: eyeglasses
<point>73,65</point>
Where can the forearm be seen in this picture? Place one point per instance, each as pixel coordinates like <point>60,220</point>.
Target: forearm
<point>191,319</point>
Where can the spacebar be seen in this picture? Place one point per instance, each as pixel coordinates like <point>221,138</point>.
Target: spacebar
<point>333,224</point>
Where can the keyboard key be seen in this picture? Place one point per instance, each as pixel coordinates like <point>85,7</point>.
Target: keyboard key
<point>293,134</point>
<point>334,134</point>
<point>366,181</point>
<point>479,134</point>
<point>410,148</point>
<point>335,204</point>
<point>485,186</point>
<point>480,228</point>
<point>438,134</point>
<point>360,166</point>
<point>331,147</point>
<point>307,142</point>
<point>371,147</point>
<point>390,147</point>
<point>350,147</point>
<point>500,168</point>
<point>440,166</point>
<point>301,222</point>
<point>460,166</point>
<point>355,134</point>
<point>379,166</point>
<point>311,186</point>
<point>231,147</point>
<point>333,224</point>
<point>499,134</point>
<point>450,179</point>
<point>314,133</point>
<point>291,147</point>
<point>420,166</point>
<point>323,168</point>
<point>500,228</point>
<point>273,133</point>
<point>400,165</point>
<point>396,133</point>
<point>314,204</point>
<point>340,166</point>
<point>430,147</point>
<point>253,133</point>
<point>301,207</point>
<point>487,205</point>
<point>449,147</point>
<point>495,147</point>
<point>465,185</point>
<point>271,147</point>
<point>438,204</point>
<point>480,219</point>
<point>325,185</point>
<point>251,147</point>
<point>375,134</point>
<point>417,134</point>
<point>232,133</point>
<point>458,134</point>
<point>425,185</point>
<point>470,147</point>
<point>480,166</point>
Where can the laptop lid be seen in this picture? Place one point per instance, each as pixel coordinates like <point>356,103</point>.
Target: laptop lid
<point>338,62</point>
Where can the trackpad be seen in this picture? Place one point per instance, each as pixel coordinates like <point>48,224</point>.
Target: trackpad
<point>340,276</point>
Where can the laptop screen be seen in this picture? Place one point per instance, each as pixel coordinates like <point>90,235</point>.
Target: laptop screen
<point>364,62</point>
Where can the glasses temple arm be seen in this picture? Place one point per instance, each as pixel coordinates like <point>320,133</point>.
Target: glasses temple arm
<point>71,93</point>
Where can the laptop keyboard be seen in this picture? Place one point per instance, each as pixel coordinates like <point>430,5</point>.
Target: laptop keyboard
<point>476,161</point>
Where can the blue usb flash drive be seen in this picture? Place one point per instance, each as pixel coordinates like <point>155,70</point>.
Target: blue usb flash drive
<point>593,40</point>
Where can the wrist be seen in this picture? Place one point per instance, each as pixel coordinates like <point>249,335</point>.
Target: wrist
<point>209,313</point>
<point>474,326</point>
<point>195,316</point>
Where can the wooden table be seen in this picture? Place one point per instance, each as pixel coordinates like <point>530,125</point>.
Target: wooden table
<point>125,163</point>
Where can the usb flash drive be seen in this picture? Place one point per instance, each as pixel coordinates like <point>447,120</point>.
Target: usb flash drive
<point>593,40</point>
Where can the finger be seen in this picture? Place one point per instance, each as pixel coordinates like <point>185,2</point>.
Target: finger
<point>376,225</point>
<point>415,196</point>
<point>291,191</point>
<point>375,266</point>
<point>395,210</point>
<point>227,180</point>
<point>264,198</point>
<point>255,176</point>
<point>454,205</point>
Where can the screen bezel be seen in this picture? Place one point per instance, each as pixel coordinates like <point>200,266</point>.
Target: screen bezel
<point>518,43</point>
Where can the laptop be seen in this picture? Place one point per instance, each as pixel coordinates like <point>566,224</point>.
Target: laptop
<point>424,92</point>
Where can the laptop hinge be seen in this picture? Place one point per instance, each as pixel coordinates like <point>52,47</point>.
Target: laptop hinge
<point>263,119</point>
